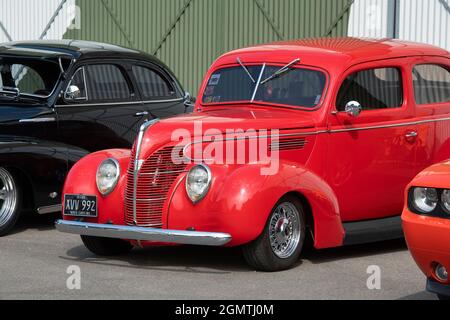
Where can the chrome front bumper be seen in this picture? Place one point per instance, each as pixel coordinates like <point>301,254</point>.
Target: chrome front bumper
<point>143,234</point>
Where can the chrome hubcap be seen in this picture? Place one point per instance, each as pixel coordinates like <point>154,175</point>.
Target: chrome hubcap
<point>8,197</point>
<point>284,230</point>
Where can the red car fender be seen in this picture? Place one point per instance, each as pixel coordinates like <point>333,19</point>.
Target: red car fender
<point>82,180</point>
<point>241,199</point>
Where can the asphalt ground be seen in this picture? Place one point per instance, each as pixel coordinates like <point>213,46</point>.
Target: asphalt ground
<point>35,260</point>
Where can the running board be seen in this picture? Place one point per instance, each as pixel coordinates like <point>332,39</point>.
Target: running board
<point>373,231</point>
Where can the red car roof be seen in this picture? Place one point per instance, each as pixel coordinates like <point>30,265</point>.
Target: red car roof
<point>329,52</point>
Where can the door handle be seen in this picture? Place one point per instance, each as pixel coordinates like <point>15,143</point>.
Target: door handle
<point>141,114</point>
<point>412,134</point>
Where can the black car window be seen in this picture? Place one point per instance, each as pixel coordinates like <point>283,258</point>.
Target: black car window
<point>33,77</point>
<point>431,84</point>
<point>106,82</point>
<point>28,80</point>
<point>379,88</point>
<point>152,84</point>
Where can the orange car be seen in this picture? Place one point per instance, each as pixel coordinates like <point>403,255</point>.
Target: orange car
<point>426,222</point>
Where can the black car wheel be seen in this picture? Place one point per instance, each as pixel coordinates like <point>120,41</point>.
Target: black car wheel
<point>9,201</point>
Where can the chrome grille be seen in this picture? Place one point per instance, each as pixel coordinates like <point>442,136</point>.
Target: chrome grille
<point>154,180</point>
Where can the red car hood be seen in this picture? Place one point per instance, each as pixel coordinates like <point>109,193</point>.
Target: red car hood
<point>244,118</point>
<point>223,119</point>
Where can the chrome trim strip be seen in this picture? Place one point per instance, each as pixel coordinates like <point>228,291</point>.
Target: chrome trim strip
<point>311,133</point>
<point>143,234</point>
<point>85,83</point>
<point>138,162</point>
<point>37,120</point>
<point>118,103</point>
<point>396,125</point>
<point>49,209</point>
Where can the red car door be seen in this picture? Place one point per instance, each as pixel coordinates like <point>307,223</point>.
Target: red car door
<point>372,155</point>
<point>431,83</point>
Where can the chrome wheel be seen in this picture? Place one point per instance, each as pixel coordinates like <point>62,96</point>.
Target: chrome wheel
<point>284,230</point>
<point>8,197</point>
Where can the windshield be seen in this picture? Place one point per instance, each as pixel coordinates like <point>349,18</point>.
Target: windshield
<point>294,86</point>
<point>27,77</point>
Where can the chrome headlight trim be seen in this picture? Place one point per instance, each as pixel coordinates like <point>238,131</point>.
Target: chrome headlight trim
<point>116,177</point>
<point>201,196</point>
<point>445,200</point>
<point>425,200</point>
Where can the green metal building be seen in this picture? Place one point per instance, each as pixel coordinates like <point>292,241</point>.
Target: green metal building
<point>188,35</point>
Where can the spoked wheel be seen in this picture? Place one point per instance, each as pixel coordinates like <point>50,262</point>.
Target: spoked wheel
<point>9,202</point>
<point>284,230</point>
<point>280,245</point>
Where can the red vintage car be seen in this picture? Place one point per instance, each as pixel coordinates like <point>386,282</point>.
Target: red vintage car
<point>293,140</point>
<point>426,222</point>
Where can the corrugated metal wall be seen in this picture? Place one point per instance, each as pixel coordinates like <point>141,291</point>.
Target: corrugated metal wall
<point>371,18</point>
<point>426,21</point>
<point>35,19</point>
<point>189,35</point>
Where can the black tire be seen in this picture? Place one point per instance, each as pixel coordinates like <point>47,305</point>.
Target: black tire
<point>443,298</point>
<point>259,253</point>
<point>10,216</point>
<point>106,246</point>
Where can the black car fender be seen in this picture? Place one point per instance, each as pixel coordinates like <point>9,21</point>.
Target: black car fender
<point>39,166</point>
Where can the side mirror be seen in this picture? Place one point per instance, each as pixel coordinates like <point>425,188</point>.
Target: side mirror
<point>72,93</point>
<point>353,108</point>
<point>188,99</point>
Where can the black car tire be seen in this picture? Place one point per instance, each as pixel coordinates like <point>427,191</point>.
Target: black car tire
<point>106,246</point>
<point>260,253</point>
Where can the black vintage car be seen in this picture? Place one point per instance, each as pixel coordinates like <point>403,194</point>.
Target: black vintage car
<point>59,101</point>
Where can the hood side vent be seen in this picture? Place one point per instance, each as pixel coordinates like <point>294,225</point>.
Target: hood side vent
<point>288,144</point>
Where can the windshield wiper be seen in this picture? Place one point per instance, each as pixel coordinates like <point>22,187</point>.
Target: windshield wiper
<point>285,69</point>
<point>246,70</point>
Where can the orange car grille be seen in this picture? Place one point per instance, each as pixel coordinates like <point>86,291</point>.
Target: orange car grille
<point>154,181</point>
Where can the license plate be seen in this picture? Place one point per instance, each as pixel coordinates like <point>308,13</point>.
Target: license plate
<point>77,205</point>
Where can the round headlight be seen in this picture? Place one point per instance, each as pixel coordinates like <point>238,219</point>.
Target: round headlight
<point>446,200</point>
<point>441,273</point>
<point>425,200</point>
<point>198,182</point>
<point>107,176</point>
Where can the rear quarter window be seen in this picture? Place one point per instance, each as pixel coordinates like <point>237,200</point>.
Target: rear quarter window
<point>431,84</point>
<point>152,84</point>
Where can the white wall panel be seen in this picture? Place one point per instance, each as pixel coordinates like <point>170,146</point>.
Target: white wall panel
<point>369,18</point>
<point>425,21</point>
<point>29,19</point>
